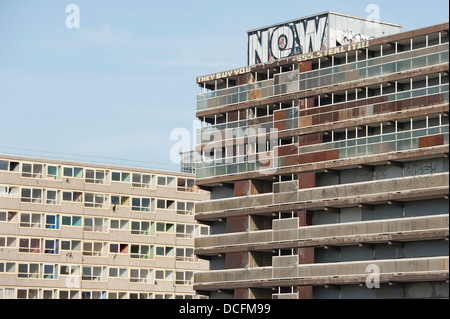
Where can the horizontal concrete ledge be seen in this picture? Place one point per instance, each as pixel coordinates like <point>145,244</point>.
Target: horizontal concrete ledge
<point>394,278</point>
<point>323,272</point>
<point>373,231</point>
<point>406,188</point>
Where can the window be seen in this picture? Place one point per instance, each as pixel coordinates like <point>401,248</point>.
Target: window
<point>54,172</point>
<point>96,249</point>
<point>51,246</point>
<point>120,200</point>
<point>75,172</point>
<point>93,294</point>
<point>52,221</point>
<point>53,197</point>
<point>10,217</point>
<point>121,224</point>
<point>4,165</point>
<point>7,242</point>
<point>95,200</point>
<point>68,294</point>
<point>96,176</point>
<point>72,196</point>
<point>38,245</point>
<point>141,252</point>
<point>184,278</point>
<point>117,295</point>
<point>165,251</point>
<point>32,170</point>
<point>202,231</point>
<point>71,245</point>
<point>9,191</point>
<point>69,270</point>
<point>71,221</point>
<point>185,254</point>
<point>30,245</point>
<point>7,267</point>
<point>185,231</point>
<point>143,204</point>
<point>143,180</point>
<point>28,270</point>
<point>27,294</point>
<point>142,228</point>
<point>31,195</point>
<point>186,185</point>
<point>96,224</point>
<point>120,177</point>
<point>166,181</point>
<point>185,208</point>
<point>6,293</point>
<point>50,271</point>
<point>118,272</point>
<point>31,220</point>
<point>164,274</point>
<point>165,227</point>
<point>141,275</point>
<point>118,248</point>
<point>94,273</point>
<point>165,204</point>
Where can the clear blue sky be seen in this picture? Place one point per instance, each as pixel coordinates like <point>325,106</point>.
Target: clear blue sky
<point>117,86</point>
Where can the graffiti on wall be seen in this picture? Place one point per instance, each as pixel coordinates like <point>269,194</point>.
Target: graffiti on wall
<point>289,39</point>
<point>348,37</point>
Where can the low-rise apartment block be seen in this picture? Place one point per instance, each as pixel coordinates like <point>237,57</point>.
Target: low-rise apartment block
<point>74,230</point>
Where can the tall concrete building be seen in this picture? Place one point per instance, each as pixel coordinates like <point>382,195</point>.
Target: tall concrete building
<point>327,163</point>
<point>71,230</point>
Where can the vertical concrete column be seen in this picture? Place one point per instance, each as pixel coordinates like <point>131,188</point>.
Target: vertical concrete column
<point>305,255</point>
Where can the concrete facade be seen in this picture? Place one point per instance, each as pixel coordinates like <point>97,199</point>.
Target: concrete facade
<point>74,230</point>
<point>328,172</point>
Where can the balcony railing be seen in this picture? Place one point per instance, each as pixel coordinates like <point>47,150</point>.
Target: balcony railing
<point>294,82</point>
<point>269,161</point>
<point>306,118</point>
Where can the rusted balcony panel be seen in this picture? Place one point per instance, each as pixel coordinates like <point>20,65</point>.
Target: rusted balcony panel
<point>429,141</point>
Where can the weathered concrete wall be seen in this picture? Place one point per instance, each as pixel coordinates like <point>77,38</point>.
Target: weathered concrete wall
<point>408,291</point>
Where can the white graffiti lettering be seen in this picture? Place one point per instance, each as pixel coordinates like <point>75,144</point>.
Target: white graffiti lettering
<point>294,38</point>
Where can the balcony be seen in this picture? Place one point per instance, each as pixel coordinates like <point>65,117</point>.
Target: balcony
<point>377,144</point>
<point>294,81</point>
<point>287,231</point>
<point>316,116</point>
<point>287,272</point>
<point>336,193</point>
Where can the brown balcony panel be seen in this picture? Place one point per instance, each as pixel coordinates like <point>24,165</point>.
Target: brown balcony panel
<point>429,141</point>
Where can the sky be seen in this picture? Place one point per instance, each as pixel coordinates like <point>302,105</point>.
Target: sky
<point>121,83</point>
